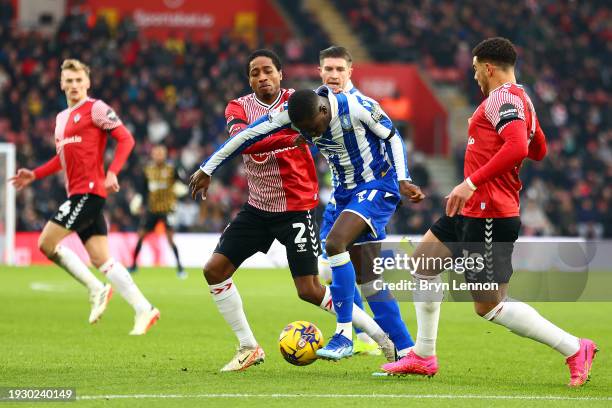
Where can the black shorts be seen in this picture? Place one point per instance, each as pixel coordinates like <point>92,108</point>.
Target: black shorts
<point>489,239</point>
<point>83,214</point>
<point>254,230</point>
<point>150,220</point>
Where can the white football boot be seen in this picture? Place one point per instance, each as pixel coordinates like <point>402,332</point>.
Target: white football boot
<point>99,300</point>
<point>143,321</point>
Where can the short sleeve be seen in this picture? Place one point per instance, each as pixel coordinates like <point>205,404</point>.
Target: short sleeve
<point>104,117</point>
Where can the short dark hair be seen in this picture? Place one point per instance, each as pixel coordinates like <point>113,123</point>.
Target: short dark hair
<point>303,105</point>
<point>336,51</point>
<point>496,50</point>
<point>263,53</point>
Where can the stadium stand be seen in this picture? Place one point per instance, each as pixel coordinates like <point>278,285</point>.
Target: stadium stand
<point>567,72</point>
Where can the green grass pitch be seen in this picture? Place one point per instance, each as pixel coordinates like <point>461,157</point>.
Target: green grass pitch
<point>45,341</point>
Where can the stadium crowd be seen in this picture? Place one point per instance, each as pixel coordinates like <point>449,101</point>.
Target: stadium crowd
<point>175,93</point>
<point>565,62</point>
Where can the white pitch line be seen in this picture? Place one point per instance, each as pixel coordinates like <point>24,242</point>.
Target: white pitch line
<point>395,396</point>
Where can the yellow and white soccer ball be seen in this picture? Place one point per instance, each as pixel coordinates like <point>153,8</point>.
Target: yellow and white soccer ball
<point>299,342</point>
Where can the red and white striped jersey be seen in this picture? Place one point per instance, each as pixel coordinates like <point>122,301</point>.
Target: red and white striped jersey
<point>280,175</point>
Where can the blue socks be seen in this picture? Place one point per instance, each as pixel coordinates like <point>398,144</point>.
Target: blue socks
<point>343,286</point>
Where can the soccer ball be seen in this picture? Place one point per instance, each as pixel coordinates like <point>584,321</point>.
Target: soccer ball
<point>299,342</point>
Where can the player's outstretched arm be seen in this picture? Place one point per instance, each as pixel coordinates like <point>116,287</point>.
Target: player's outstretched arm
<point>263,127</point>
<point>22,179</point>
<point>25,177</point>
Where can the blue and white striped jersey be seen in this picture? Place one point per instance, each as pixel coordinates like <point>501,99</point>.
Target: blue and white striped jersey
<point>352,143</point>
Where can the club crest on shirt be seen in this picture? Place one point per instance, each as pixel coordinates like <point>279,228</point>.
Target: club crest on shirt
<point>111,115</point>
<point>345,122</point>
<point>76,118</point>
<point>376,112</point>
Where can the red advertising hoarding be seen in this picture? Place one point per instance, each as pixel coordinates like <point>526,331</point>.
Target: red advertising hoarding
<point>197,19</point>
<point>427,116</point>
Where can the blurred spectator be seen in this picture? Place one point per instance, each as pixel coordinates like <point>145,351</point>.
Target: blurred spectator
<point>176,92</point>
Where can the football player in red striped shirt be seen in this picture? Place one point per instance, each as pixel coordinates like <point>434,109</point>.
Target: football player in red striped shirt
<point>283,191</point>
<point>482,219</point>
<point>80,139</point>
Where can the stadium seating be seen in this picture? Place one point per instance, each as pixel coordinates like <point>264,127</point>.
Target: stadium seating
<point>564,62</point>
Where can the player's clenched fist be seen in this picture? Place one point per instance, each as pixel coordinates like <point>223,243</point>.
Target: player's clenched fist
<point>199,181</point>
<point>412,191</point>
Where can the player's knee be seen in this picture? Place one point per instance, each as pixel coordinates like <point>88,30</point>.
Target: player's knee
<point>216,272</point>
<point>309,294</point>
<point>46,246</point>
<point>482,309</point>
<point>334,246</point>
<point>96,260</point>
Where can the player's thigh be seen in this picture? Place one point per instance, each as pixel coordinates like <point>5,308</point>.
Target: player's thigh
<point>327,222</point>
<point>298,232</point>
<point>374,207</point>
<point>51,235</point>
<point>94,237</point>
<point>347,228</point>
<point>432,248</point>
<point>244,236</point>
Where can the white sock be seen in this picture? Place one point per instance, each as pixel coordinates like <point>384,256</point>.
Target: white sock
<point>72,264</point>
<point>121,279</point>
<point>525,321</point>
<point>345,329</point>
<point>427,305</point>
<point>325,272</point>
<point>360,318</point>
<point>402,353</point>
<point>229,303</point>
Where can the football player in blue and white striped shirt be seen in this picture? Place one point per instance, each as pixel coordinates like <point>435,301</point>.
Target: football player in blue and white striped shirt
<point>348,133</point>
<point>335,69</point>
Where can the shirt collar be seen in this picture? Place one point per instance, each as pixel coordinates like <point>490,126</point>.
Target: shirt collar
<point>349,87</point>
<point>265,105</point>
<point>327,92</point>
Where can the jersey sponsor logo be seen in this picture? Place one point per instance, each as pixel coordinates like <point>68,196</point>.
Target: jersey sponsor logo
<point>111,115</point>
<point>346,123</point>
<point>376,113</point>
<point>69,140</point>
<point>329,146</point>
<point>508,111</point>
